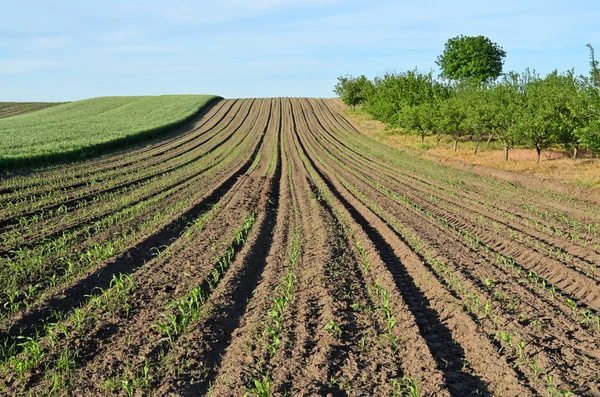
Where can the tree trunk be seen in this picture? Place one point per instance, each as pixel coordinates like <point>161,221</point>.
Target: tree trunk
<point>455,144</point>
<point>476,146</point>
<point>422,138</point>
<point>505,152</point>
<point>539,154</point>
<point>489,138</point>
<point>576,151</point>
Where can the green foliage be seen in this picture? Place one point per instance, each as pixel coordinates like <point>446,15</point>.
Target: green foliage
<point>452,118</point>
<point>589,135</point>
<point>407,386</point>
<point>546,118</point>
<point>519,109</point>
<point>587,107</point>
<point>471,57</point>
<point>83,128</point>
<point>478,109</point>
<point>505,102</point>
<point>420,119</point>
<point>392,92</point>
<point>334,329</point>
<point>594,68</point>
<point>262,387</point>
<point>353,90</point>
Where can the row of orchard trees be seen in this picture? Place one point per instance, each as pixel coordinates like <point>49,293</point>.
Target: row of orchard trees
<point>517,109</point>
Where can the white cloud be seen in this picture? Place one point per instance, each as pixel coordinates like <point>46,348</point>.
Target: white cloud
<point>144,49</point>
<point>230,10</point>
<point>47,43</point>
<point>188,14</point>
<point>119,36</point>
<point>265,5</point>
<point>16,66</point>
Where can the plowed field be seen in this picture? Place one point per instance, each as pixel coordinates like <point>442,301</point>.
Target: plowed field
<point>9,109</point>
<point>272,249</point>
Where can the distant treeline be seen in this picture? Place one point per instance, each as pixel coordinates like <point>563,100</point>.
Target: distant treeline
<point>515,109</point>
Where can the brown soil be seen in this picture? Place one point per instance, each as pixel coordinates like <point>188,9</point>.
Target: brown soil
<point>402,273</point>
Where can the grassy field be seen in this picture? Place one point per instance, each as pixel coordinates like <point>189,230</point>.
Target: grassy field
<point>9,109</point>
<point>85,128</point>
<point>556,163</point>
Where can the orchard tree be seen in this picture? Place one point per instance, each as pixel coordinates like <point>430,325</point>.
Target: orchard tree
<point>393,92</point>
<point>353,90</point>
<point>506,101</point>
<point>588,135</point>
<point>451,119</point>
<point>471,57</point>
<point>588,107</point>
<point>420,119</point>
<point>542,119</point>
<point>594,69</point>
<point>479,112</point>
<point>572,104</point>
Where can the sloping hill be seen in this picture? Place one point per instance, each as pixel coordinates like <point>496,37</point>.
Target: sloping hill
<point>88,127</point>
<point>9,109</point>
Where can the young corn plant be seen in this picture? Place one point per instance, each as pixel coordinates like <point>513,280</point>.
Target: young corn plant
<point>188,308</point>
<point>363,257</point>
<point>262,387</point>
<point>31,354</point>
<point>521,350</point>
<point>273,323</point>
<point>405,387</point>
<point>334,329</point>
<point>390,318</point>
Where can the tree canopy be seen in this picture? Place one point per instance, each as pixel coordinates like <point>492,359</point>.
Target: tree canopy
<point>353,90</point>
<point>522,109</point>
<point>471,57</point>
<point>394,91</point>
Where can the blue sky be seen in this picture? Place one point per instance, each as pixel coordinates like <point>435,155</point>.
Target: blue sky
<point>69,50</point>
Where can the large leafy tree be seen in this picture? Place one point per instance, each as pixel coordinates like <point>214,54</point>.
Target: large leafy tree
<point>471,57</point>
<point>353,90</point>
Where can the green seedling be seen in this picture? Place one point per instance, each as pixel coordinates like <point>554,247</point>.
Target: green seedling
<point>262,387</point>
<point>334,329</point>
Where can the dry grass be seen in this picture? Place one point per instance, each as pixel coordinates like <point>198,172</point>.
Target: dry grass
<point>555,164</point>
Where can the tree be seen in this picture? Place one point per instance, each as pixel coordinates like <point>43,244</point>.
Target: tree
<point>594,68</point>
<point>420,119</point>
<point>471,57</point>
<point>392,92</point>
<point>506,102</point>
<point>570,97</point>
<point>353,90</point>
<point>479,113</point>
<point>451,119</point>
<point>542,119</point>
<point>587,107</point>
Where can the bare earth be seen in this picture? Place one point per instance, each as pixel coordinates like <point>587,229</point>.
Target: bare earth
<point>328,264</point>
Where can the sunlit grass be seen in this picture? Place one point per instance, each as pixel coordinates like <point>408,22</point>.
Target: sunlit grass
<point>84,128</point>
<point>555,163</point>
